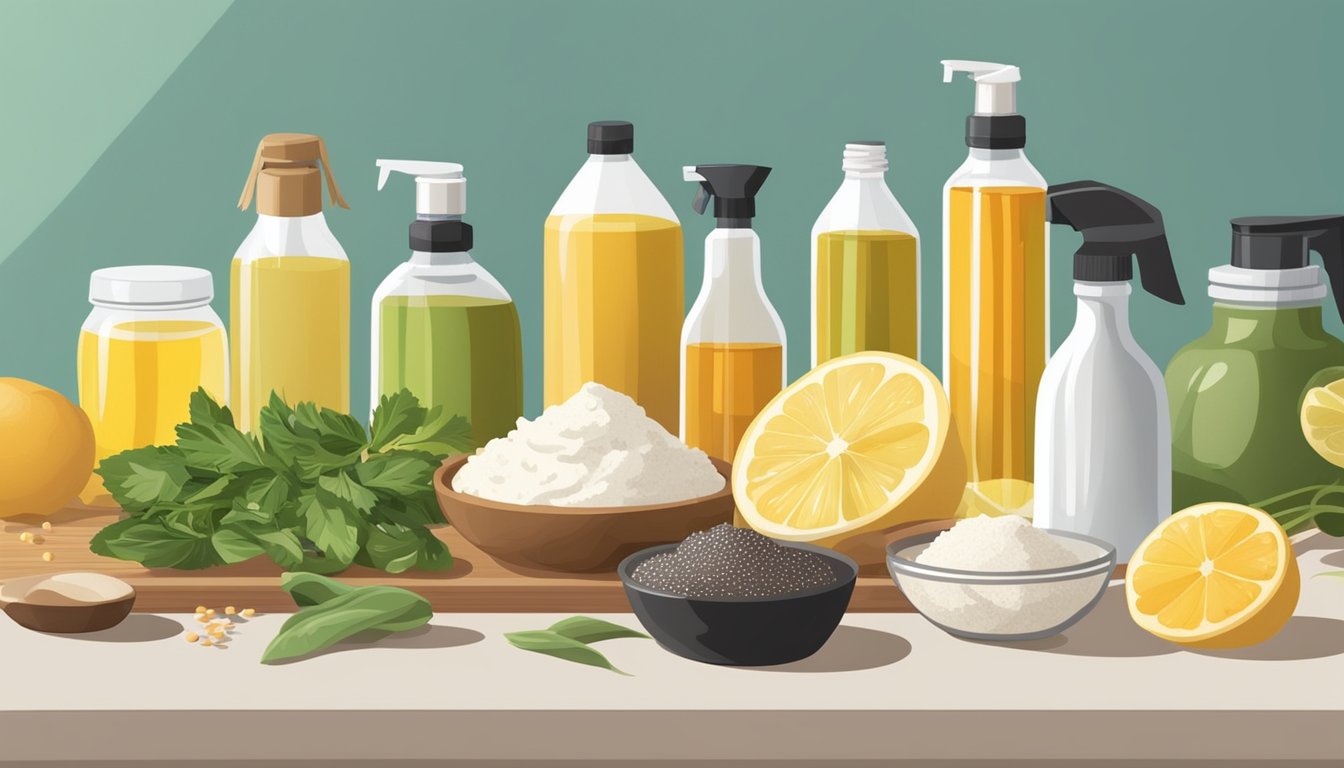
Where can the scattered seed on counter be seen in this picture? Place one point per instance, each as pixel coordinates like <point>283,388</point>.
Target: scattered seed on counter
<point>229,610</point>
<point>201,609</point>
<point>39,539</point>
<point>247,613</point>
<point>25,537</point>
<point>210,613</point>
<point>48,556</point>
<point>201,617</point>
<point>192,637</point>
<point>46,526</point>
<point>206,643</point>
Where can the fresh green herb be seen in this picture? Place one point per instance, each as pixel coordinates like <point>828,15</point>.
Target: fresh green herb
<point>569,639</point>
<point>1333,574</point>
<point>331,612</point>
<point>317,494</point>
<point>1315,512</point>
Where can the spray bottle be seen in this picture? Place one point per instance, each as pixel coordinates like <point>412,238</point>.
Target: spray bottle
<point>444,327</point>
<point>1237,391</point>
<point>1103,441</point>
<point>732,343</point>
<point>995,294</point>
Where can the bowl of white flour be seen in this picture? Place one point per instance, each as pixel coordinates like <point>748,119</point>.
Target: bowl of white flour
<point>588,482</point>
<point>1000,578</point>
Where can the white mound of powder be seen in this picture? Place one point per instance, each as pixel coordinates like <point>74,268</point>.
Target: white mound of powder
<point>596,449</point>
<point>999,544</point>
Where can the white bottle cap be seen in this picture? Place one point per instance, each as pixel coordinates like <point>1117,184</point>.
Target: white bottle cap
<point>1267,287</point>
<point>151,285</point>
<point>440,189</point>
<point>865,157</point>
<point>995,84</point>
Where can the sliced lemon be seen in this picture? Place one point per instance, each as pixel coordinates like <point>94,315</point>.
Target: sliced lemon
<point>1323,421</point>
<point>1216,575</point>
<point>862,442</point>
<point>996,498</point>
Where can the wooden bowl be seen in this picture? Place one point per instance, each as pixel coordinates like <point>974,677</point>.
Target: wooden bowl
<point>575,539</point>
<point>104,602</point>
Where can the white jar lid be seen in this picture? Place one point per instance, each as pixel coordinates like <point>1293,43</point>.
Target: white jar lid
<point>151,284</point>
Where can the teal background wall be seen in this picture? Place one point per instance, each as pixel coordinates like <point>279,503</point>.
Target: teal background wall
<point>129,129</point>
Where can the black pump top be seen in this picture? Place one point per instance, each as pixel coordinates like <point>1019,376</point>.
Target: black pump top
<point>1115,226</point>
<point>611,137</point>
<point>1286,242</point>
<point>429,236</point>
<point>733,188</point>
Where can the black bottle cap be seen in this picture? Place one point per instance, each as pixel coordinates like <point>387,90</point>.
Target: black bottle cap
<point>1117,228</point>
<point>1286,242</point>
<point>733,188</point>
<point>996,131</point>
<point>611,137</point>
<point>440,236</point>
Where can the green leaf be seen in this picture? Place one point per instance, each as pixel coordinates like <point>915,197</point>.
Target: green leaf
<point>397,415</point>
<point>1333,574</point>
<point>553,644</point>
<point>337,432</point>
<point>204,410</point>
<point>434,554</point>
<point>219,448</point>
<point>153,545</point>
<point>392,548</point>
<point>300,446</point>
<point>440,436</point>
<point>342,487</point>
<point>387,609</point>
<point>211,491</point>
<point>312,589</point>
<point>332,525</point>
<point>403,473</point>
<point>588,630</point>
<point>234,546</point>
<point>143,477</point>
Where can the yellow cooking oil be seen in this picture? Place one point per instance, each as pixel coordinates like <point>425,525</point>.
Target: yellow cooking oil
<point>996,332</point>
<point>867,299</point>
<point>136,379</point>
<point>614,308</point>
<point>290,333</point>
<point>727,385</point>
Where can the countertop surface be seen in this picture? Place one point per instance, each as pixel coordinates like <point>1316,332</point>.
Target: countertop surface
<point>886,685</point>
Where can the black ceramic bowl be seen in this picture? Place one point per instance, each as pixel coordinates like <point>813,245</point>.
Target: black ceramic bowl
<point>742,631</point>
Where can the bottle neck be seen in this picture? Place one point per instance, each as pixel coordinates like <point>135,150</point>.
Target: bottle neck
<point>442,259</point>
<point>996,155</point>
<point>609,158</point>
<point>1104,306</point>
<point>1239,323</point>
<point>732,255</point>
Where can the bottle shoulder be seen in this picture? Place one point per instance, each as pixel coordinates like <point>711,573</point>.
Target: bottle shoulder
<point>864,205</point>
<point>468,279</point>
<point>991,169</point>
<point>606,186</point>
<point>273,236</point>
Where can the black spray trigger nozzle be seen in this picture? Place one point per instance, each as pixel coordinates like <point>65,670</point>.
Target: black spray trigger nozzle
<point>1118,228</point>
<point>1286,242</point>
<point>733,188</point>
<point>702,196</point>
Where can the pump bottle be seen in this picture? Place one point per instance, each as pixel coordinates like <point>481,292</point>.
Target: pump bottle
<point>443,327</point>
<point>1103,440</point>
<point>289,297</point>
<point>865,264</point>
<point>995,293</point>
<point>1236,392</point>
<point>732,343</point>
<point>614,287</point>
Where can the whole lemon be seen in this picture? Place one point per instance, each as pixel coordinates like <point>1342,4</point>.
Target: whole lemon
<point>46,449</point>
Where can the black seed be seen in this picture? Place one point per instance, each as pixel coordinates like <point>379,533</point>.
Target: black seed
<point>725,561</point>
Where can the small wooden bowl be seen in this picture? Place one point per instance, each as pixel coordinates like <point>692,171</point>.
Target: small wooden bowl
<point>32,606</point>
<point>575,539</point>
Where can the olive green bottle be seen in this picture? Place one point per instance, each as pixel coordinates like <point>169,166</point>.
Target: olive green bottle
<point>1236,392</point>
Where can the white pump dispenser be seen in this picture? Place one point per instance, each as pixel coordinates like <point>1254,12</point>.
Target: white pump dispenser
<point>995,84</point>
<point>440,189</point>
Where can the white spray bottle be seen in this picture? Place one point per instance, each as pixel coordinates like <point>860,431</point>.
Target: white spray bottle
<point>1103,440</point>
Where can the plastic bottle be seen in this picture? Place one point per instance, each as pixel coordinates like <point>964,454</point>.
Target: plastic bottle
<point>1103,439</point>
<point>150,340</point>
<point>614,284</point>
<point>995,290</point>
<point>444,327</point>
<point>1236,392</point>
<point>289,309</point>
<point>732,343</point>
<point>865,264</point>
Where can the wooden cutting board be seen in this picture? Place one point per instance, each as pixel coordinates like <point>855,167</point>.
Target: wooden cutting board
<point>476,583</point>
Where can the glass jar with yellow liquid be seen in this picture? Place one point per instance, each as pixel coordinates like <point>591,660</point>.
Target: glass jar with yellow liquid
<point>289,309</point>
<point>149,342</point>
<point>865,265</point>
<point>733,360</point>
<point>613,281</point>
<point>995,295</point>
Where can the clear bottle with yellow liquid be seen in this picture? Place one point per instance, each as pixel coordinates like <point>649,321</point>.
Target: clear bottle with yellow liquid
<point>995,294</point>
<point>613,281</point>
<point>289,310</point>
<point>865,265</point>
<point>150,340</point>
<point>733,351</point>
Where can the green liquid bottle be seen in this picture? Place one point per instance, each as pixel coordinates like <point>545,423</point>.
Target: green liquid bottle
<point>1236,392</point>
<point>443,327</point>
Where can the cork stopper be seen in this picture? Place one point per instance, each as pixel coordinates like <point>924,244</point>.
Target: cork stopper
<point>287,174</point>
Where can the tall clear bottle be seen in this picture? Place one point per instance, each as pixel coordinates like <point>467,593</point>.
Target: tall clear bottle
<point>995,294</point>
<point>733,341</point>
<point>289,299</point>
<point>613,281</point>
<point>444,327</point>
<point>865,264</point>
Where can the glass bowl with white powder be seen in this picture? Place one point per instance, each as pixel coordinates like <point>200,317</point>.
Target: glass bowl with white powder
<point>1000,578</point>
